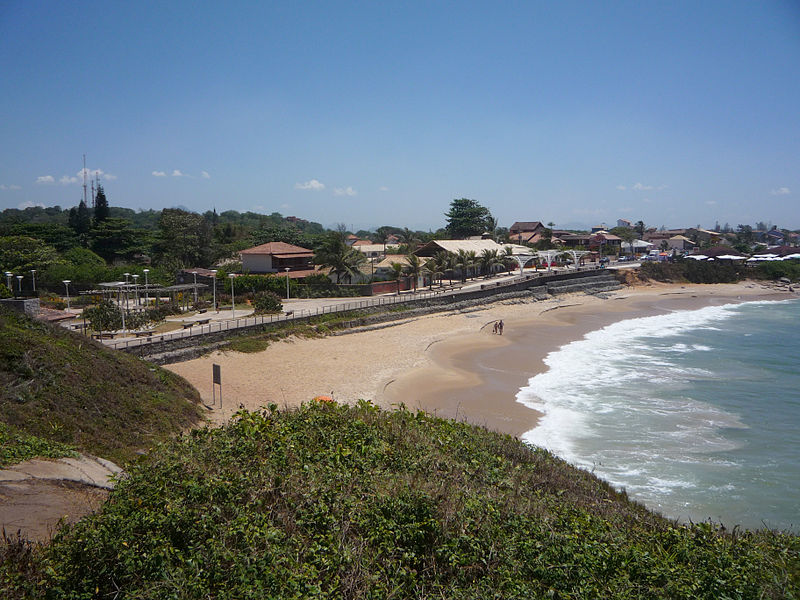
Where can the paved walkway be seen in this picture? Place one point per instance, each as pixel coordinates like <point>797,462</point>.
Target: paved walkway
<point>35,495</point>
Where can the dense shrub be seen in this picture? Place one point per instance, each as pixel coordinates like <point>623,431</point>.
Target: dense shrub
<point>350,502</point>
<point>775,269</point>
<point>267,302</point>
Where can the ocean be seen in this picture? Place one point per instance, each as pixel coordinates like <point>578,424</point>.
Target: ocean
<point>696,414</point>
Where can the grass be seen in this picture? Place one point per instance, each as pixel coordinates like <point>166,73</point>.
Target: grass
<point>16,447</point>
<point>62,387</point>
<point>329,501</point>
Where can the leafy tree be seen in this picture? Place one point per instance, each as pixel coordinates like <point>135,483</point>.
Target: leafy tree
<point>20,254</point>
<point>283,232</point>
<point>101,209</point>
<point>184,239</point>
<point>60,237</point>
<point>115,239</point>
<point>467,218</point>
<point>639,228</point>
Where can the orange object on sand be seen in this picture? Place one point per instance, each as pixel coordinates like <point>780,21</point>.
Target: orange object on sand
<point>323,399</point>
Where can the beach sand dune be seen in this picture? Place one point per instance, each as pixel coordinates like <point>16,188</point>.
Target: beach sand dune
<point>449,364</point>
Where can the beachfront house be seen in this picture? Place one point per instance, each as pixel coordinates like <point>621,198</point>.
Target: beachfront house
<point>276,257</point>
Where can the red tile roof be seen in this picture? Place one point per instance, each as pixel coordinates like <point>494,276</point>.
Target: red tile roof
<point>278,249</point>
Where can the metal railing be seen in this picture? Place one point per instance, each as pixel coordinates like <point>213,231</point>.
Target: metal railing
<point>305,314</point>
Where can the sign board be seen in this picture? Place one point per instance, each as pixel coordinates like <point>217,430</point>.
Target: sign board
<point>217,374</point>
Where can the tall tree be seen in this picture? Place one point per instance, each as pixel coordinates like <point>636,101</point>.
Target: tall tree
<point>184,239</point>
<point>101,209</point>
<point>466,218</point>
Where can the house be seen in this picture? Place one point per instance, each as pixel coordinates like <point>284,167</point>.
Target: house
<point>680,243</point>
<point>276,257</point>
<point>624,223</point>
<point>374,250</point>
<point>477,246</point>
<point>703,236</point>
<point>526,232</point>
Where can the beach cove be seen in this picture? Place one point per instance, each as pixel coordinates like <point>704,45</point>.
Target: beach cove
<point>449,364</point>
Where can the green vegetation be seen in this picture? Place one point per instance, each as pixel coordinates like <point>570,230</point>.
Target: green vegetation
<point>351,502</point>
<point>64,388</point>
<point>16,447</point>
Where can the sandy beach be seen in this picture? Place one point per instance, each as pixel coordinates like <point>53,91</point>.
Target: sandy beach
<point>449,364</point>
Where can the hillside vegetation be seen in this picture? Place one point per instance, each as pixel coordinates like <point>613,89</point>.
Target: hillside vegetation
<point>60,391</point>
<point>330,501</point>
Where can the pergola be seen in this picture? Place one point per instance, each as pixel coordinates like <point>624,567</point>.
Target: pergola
<point>121,288</point>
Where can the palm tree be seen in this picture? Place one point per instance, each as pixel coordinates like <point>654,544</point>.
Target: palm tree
<point>333,252</point>
<point>438,265</point>
<point>488,260</point>
<point>414,267</point>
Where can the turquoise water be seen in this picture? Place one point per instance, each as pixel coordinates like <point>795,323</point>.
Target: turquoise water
<point>694,413</point>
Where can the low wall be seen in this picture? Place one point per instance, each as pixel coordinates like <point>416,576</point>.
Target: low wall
<point>538,287</point>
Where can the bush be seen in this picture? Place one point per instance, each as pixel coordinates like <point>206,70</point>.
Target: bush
<point>267,302</point>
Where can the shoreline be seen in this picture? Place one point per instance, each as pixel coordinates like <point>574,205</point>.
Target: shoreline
<point>448,364</point>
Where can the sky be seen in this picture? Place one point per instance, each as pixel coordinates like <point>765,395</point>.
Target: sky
<point>678,113</point>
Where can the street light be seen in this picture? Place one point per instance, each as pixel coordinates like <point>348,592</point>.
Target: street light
<point>33,274</point>
<point>136,287</point>
<point>287,281</point>
<point>126,290</point>
<point>146,295</point>
<point>19,284</point>
<point>233,300</point>
<point>214,284</point>
<point>9,275</point>
<point>66,285</point>
<point>195,286</point>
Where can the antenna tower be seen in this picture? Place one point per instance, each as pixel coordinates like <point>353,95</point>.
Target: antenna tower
<point>84,182</point>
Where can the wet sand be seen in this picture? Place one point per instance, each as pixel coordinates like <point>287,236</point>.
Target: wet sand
<point>449,364</point>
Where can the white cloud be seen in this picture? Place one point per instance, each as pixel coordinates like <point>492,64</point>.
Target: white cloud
<point>205,175</point>
<point>92,174</point>
<point>711,202</point>
<point>29,204</point>
<point>313,185</point>
<point>641,187</point>
<point>383,188</point>
<point>10,187</point>
<point>781,191</point>
<point>622,187</point>
<point>45,179</point>
<point>284,205</point>
<point>348,191</point>
<point>159,174</point>
<point>66,180</point>
<point>177,173</point>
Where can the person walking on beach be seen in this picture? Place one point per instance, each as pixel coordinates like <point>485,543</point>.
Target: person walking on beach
<point>500,327</point>
<point>494,329</point>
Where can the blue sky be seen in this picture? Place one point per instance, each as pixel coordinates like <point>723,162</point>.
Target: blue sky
<point>371,113</point>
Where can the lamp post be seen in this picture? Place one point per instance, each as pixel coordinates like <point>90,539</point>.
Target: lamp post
<point>66,286</point>
<point>214,286</point>
<point>233,300</point>
<point>33,274</point>
<point>195,286</point>
<point>146,295</point>
<point>287,281</point>
<point>9,275</point>
<point>19,284</point>
<point>136,288</point>
<point>126,291</point>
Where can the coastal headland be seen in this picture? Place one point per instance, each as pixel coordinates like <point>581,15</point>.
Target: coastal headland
<point>450,364</point>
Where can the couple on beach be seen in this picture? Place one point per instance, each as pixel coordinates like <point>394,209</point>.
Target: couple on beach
<point>498,327</point>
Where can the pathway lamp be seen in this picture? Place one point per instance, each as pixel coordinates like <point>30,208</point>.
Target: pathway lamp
<point>214,287</point>
<point>9,276</point>
<point>146,295</point>
<point>136,287</point>
<point>126,290</point>
<point>19,284</point>
<point>66,283</point>
<point>287,281</point>
<point>33,274</point>
<point>233,300</point>
<point>195,286</point>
